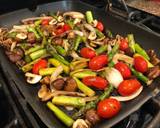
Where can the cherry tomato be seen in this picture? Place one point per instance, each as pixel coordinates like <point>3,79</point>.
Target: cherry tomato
<point>87,53</point>
<point>128,87</point>
<point>98,62</point>
<point>140,64</point>
<point>59,31</point>
<point>45,22</point>
<point>66,27</point>
<point>108,108</point>
<point>123,69</point>
<point>123,44</point>
<point>37,66</point>
<point>100,26</point>
<point>95,81</point>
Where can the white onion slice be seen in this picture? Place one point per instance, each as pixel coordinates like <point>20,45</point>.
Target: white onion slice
<point>127,98</point>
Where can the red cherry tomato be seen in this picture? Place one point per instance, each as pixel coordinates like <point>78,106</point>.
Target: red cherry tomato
<point>66,27</point>
<point>123,69</point>
<point>95,81</point>
<point>108,108</point>
<point>140,64</point>
<point>123,44</point>
<point>100,26</point>
<point>45,22</point>
<point>98,62</point>
<point>87,53</point>
<point>37,66</point>
<point>128,87</point>
<point>59,31</point>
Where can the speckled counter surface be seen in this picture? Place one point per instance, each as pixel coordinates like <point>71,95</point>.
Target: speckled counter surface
<point>146,5</point>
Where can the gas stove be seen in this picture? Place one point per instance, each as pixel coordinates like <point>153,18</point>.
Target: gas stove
<point>15,112</point>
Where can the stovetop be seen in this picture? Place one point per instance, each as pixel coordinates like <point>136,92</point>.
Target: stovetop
<point>15,112</point>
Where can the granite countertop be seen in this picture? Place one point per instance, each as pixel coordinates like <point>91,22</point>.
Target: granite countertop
<point>150,6</point>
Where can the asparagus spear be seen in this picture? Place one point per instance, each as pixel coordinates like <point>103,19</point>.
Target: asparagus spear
<point>99,33</point>
<point>77,42</point>
<point>33,49</point>
<point>93,104</point>
<point>69,101</point>
<point>85,89</point>
<point>89,17</point>
<point>53,52</point>
<point>68,121</point>
<point>140,76</point>
<point>141,51</point>
<point>57,63</point>
<point>131,41</point>
<point>38,54</point>
<point>61,50</point>
<point>31,29</point>
<point>113,52</point>
<point>46,71</point>
<point>83,74</point>
<point>101,49</point>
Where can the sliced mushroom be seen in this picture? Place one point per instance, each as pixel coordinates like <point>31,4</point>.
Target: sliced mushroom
<point>33,78</point>
<point>21,36</point>
<point>92,36</point>
<point>44,93</point>
<point>74,14</point>
<point>60,19</point>
<point>80,123</point>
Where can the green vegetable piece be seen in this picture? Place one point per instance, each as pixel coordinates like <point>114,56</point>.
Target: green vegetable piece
<point>93,104</point>
<point>46,71</point>
<point>69,101</point>
<point>131,42</point>
<point>57,63</point>
<point>70,23</point>
<point>99,33</point>
<point>31,29</point>
<point>89,17</point>
<point>53,52</point>
<point>101,49</point>
<point>140,76</point>
<point>84,74</point>
<point>113,51</point>
<point>68,121</point>
<point>12,34</point>
<point>109,34</point>
<point>29,66</point>
<point>39,31</point>
<point>38,22</point>
<point>33,49</point>
<point>77,42</point>
<point>85,89</point>
<point>27,58</point>
<point>141,51</point>
<point>38,54</point>
<point>61,50</point>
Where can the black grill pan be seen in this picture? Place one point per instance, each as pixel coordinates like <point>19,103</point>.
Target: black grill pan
<point>116,25</point>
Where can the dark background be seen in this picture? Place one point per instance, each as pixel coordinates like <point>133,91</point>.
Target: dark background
<point>11,5</point>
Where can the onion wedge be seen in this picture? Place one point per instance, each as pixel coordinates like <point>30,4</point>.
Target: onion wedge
<point>127,98</point>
